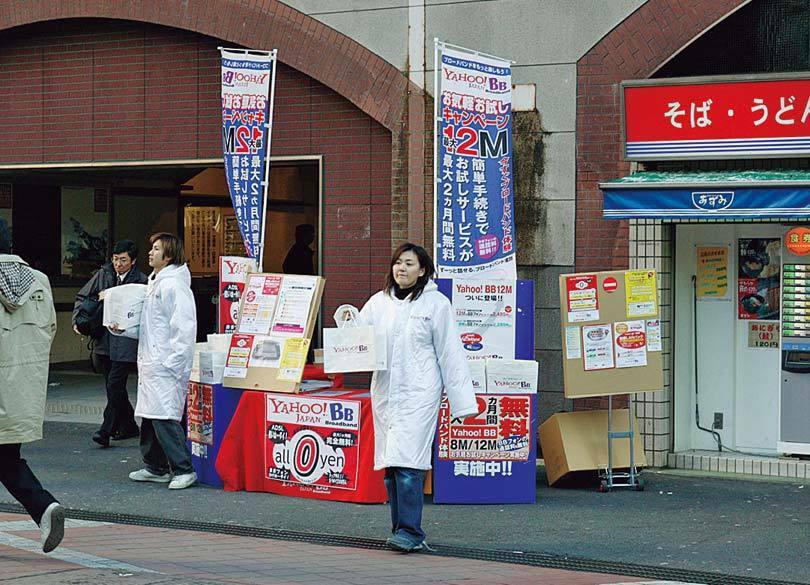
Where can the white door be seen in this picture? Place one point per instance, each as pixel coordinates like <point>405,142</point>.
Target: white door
<point>733,379</point>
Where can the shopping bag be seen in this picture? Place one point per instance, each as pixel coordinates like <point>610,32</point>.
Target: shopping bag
<point>353,348</point>
<point>122,308</point>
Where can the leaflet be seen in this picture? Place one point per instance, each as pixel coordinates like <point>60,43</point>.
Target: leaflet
<point>630,338</point>
<point>258,307</point>
<point>597,343</point>
<point>294,303</point>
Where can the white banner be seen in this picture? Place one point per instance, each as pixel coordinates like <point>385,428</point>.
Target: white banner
<point>485,312</point>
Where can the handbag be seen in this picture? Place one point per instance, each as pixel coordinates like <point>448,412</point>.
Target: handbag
<point>354,348</point>
<point>89,317</point>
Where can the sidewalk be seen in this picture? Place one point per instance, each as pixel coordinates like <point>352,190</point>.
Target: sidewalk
<point>682,522</point>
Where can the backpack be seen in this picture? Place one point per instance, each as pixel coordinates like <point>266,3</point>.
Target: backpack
<point>89,317</point>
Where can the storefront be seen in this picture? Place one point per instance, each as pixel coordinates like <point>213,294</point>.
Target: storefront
<point>718,238</point>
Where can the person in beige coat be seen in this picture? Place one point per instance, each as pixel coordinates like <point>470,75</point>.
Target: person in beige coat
<point>27,328</point>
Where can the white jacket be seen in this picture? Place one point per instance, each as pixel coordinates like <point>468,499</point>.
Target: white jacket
<point>424,355</point>
<point>166,349</point>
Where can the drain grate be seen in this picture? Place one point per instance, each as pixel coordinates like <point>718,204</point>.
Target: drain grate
<point>520,558</point>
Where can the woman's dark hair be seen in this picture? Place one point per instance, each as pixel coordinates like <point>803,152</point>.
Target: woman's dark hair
<point>424,262</point>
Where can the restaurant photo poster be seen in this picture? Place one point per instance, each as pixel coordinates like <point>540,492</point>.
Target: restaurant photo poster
<point>759,269</point>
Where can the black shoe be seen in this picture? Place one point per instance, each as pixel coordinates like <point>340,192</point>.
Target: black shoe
<point>102,440</point>
<point>124,435</point>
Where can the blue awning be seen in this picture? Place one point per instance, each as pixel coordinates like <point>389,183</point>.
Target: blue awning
<point>709,195</point>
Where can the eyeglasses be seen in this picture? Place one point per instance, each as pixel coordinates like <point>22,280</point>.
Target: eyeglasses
<point>121,260</point>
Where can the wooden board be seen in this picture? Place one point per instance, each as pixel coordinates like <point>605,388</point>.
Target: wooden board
<point>265,378</point>
<point>581,383</point>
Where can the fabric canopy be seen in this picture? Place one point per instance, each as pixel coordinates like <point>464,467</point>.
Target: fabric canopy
<point>708,195</point>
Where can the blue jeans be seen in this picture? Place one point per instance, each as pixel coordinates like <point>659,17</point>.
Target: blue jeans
<point>405,498</point>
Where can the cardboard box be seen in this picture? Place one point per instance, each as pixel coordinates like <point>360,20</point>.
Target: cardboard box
<point>577,441</point>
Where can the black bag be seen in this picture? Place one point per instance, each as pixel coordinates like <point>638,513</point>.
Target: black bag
<point>90,316</point>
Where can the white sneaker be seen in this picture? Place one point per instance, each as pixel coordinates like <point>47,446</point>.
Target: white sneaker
<point>146,475</point>
<point>52,527</point>
<point>183,481</point>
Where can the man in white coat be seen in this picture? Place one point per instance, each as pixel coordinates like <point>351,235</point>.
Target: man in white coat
<point>168,331</point>
<point>27,329</point>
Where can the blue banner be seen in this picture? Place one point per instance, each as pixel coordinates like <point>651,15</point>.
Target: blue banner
<point>475,223</point>
<point>246,139</point>
<point>706,203</point>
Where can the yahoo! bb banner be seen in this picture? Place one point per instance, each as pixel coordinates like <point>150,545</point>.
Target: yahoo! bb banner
<point>246,138</point>
<point>475,223</point>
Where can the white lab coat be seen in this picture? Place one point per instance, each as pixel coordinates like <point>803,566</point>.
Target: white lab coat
<point>424,355</point>
<point>168,331</point>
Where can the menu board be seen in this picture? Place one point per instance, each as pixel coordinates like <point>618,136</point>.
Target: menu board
<point>796,300</point>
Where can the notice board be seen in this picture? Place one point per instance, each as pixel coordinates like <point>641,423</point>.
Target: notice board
<point>611,333</point>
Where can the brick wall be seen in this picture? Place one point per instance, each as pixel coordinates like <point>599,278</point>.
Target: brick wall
<point>96,90</point>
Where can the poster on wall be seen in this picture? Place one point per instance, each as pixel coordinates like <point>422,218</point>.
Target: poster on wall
<point>84,230</point>
<point>312,441</point>
<point>485,317</point>
<point>474,206</point>
<point>581,298</point>
<point>200,413</point>
<point>233,271</point>
<point>712,273</point>
<point>759,267</point>
<point>201,238</point>
<point>499,433</point>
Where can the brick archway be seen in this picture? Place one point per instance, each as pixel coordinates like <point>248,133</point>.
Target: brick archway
<point>340,63</point>
<point>635,49</point>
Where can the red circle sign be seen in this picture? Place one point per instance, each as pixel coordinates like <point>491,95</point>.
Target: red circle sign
<point>797,241</point>
<point>610,284</point>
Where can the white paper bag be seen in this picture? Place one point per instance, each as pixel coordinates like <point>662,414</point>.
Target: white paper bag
<point>354,349</point>
<point>511,376</point>
<point>122,308</point>
<point>478,373</point>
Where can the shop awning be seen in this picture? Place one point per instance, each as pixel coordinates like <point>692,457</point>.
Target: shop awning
<point>708,195</point>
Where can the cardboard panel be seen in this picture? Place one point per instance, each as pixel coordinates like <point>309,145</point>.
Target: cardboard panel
<point>612,308</point>
<point>577,441</point>
<point>265,378</point>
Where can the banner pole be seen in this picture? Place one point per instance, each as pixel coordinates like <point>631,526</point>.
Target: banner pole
<point>268,130</point>
<point>436,137</point>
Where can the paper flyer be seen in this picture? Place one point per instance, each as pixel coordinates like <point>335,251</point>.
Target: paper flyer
<point>261,294</point>
<point>630,338</point>
<point>712,272</point>
<point>294,303</point>
<point>573,343</point>
<point>238,356</point>
<point>653,334</point>
<point>581,298</point>
<point>293,359</point>
<point>640,291</point>
<point>485,317</point>
<point>597,343</point>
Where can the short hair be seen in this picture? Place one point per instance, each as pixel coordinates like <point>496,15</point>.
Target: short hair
<point>172,247</point>
<point>126,247</point>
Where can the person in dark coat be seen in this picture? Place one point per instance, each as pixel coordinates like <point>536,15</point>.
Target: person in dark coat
<point>299,258</point>
<point>117,355</point>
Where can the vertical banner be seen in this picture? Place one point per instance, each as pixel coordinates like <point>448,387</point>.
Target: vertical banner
<point>474,223</point>
<point>247,97</point>
<point>233,271</point>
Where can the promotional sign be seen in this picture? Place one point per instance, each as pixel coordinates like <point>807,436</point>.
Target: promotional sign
<point>797,241</point>
<point>717,119</point>
<point>233,271</point>
<point>630,339</point>
<point>489,458</point>
<point>763,335</point>
<point>640,291</point>
<point>246,126</point>
<point>200,413</point>
<point>712,272</point>
<point>312,441</point>
<point>485,312</point>
<point>597,343</point>
<point>499,433</point>
<point>474,199</point>
<point>759,267</point>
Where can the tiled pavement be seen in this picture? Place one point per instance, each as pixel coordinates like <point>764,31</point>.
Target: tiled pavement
<point>96,552</point>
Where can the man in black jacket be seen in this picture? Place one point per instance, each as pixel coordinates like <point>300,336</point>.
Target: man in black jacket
<point>117,355</point>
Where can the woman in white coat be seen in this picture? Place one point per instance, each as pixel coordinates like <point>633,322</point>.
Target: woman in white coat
<point>168,331</point>
<point>425,356</point>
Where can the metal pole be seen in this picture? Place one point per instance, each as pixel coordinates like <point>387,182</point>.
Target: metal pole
<point>268,128</point>
<point>632,437</point>
<point>436,138</point>
<point>610,442</point>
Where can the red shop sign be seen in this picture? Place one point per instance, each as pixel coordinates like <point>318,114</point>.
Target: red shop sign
<point>716,118</point>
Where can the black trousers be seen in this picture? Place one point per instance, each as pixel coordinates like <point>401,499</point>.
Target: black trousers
<point>118,414</point>
<point>164,448</point>
<point>20,481</point>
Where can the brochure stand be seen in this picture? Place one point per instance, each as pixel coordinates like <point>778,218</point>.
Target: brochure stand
<point>275,309</point>
<point>611,330</point>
